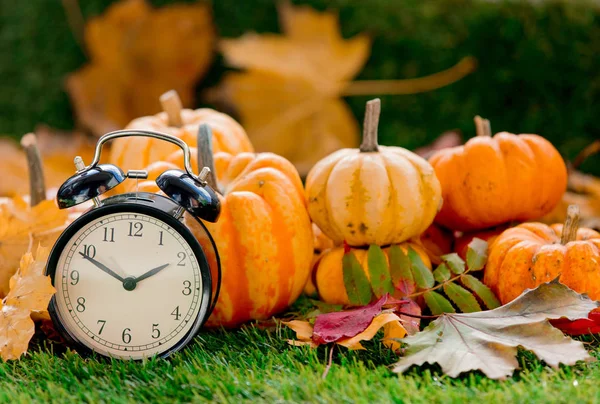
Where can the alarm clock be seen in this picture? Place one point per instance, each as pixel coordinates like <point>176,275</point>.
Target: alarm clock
<point>131,279</point>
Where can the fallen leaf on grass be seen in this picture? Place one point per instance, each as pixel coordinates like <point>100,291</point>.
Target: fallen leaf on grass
<point>349,328</point>
<point>30,292</point>
<point>137,53</point>
<point>22,227</point>
<point>488,340</point>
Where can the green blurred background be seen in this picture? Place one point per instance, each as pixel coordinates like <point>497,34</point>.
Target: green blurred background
<point>539,63</point>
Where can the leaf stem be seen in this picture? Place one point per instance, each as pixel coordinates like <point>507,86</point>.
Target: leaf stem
<point>329,363</point>
<point>441,285</point>
<point>434,81</point>
<point>418,316</point>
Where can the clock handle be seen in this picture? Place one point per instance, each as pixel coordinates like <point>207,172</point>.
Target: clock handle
<point>147,133</point>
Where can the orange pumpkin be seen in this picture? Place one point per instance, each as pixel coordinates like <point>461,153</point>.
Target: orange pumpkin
<point>137,152</point>
<point>329,273</point>
<point>525,256</point>
<point>494,180</point>
<point>436,241</point>
<point>372,195</point>
<point>263,235</point>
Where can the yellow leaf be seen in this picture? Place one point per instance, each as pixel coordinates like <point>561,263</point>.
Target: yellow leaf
<point>368,334</point>
<point>21,228</point>
<point>288,96</point>
<point>137,53</point>
<point>303,329</point>
<point>29,294</point>
<point>16,329</point>
<point>30,288</point>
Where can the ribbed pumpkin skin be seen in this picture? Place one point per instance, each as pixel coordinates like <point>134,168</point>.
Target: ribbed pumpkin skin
<point>382,198</point>
<point>490,181</point>
<point>263,236</point>
<point>134,153</point>
<point>329,273</point>
<point>525,256</point>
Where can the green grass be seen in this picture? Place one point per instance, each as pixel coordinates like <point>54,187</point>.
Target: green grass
<point>258,366</point>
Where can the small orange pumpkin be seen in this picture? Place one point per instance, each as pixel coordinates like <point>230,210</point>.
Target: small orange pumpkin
<point>436,241</point>
<point>525,256</point>
<point>494,180</point>
<point>372,195</point>
<point>329,273</point>
<point>137,152</point>
<point>263,235</point>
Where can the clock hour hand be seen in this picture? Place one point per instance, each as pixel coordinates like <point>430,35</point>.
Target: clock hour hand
<point>151,272</point>
<point>102,267</point>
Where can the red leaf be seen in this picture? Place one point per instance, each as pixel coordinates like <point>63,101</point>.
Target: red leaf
<point>590,325</point>
<point>332,327</point>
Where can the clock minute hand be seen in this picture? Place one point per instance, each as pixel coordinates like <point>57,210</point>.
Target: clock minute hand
<point>151,272</point>
<point>102,267</point>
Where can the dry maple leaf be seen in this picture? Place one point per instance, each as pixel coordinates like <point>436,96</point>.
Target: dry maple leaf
<point>289,95</point>
<point>57,150</point>
<point>30,291</point>
<point>488,340</point>
<point>22,227</point>
<point>137,53</point>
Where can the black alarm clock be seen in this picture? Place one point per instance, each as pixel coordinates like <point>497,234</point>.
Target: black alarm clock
<point>131,279</point>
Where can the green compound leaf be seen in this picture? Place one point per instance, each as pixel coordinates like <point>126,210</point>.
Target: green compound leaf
<point>465,301</point>
<point>437,303</point>
<point>381,281</point>
<point>454,262</point>
<point>441,273</point>
<point>482,291</point>
<point>477,254</point>
<point>356,282</point>
<point>422,274</point>
<point>402,276</point>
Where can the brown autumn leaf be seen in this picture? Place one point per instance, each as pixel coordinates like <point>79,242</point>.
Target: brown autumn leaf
<point>137,53</point>
<point>488,340</point>
<point>289,94</point>
<point>30,292</point>
<point>57,150</point>
<point>21,228</point>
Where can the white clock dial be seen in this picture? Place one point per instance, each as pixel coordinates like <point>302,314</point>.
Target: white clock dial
<point>128,285</point>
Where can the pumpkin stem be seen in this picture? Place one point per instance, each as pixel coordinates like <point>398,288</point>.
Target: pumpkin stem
<point>370,124</point>
<point>205,155</point>
<point>482,126</point>
<point>171,104</point>
<point>37,185</point>
<point>569,231</point>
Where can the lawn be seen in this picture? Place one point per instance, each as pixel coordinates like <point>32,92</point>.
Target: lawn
<point>257,365</point>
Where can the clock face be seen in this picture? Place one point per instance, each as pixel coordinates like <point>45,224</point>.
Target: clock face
<point>128,285</point>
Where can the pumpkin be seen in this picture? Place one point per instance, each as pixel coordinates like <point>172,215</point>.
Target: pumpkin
<point>321,244</point>
<point>263,235</point>
<point>329,273</point>
<point>436,241</point>
<point>462,241</point>
<point>527,255</point>
<point>494,180</point>
<point>372,195</point>
<point>137,152</point>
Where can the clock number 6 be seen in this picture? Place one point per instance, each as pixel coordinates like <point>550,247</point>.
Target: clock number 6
<point>126,337</point>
